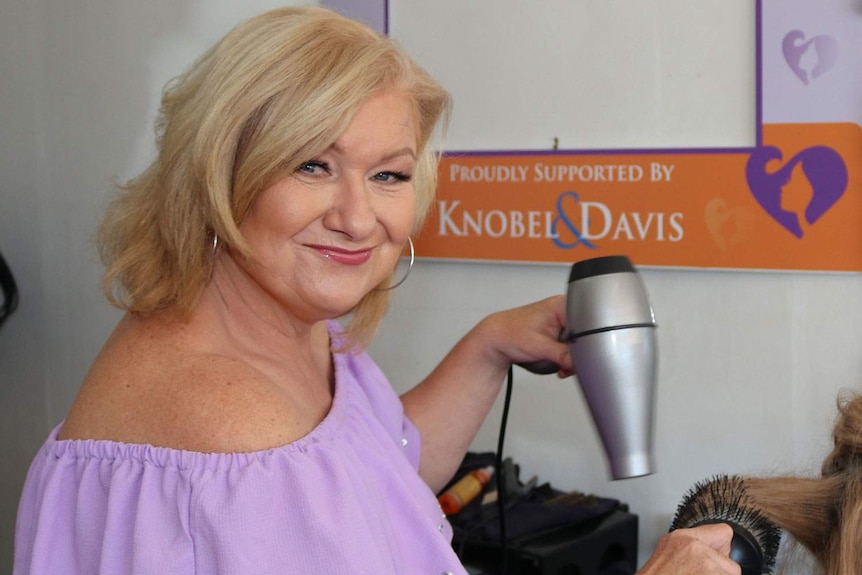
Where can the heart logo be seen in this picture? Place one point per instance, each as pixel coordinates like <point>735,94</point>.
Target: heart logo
<point>809,59</point>
<point>728,226</point>
<point>817,175</point>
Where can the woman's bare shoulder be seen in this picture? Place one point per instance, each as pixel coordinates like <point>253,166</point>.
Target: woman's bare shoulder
<point>154,392</point>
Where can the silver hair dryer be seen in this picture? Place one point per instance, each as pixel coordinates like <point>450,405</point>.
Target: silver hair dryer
<point>611,334</point>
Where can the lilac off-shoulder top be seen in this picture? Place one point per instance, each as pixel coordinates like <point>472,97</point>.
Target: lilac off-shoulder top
<point>345,499</point>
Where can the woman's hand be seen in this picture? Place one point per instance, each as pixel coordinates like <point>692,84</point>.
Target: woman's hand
<point>451,403</point>
<point>700,550</point>
<point>528,334</point>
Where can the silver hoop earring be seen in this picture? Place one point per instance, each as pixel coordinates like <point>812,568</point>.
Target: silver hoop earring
<point>409,268</point>
<point>215,244</point>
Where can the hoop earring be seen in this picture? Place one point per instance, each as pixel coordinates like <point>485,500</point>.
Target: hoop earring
<point>215,244</point>
<point>409,268</point>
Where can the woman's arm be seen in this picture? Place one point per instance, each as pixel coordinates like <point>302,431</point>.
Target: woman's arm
<point>450,405</point>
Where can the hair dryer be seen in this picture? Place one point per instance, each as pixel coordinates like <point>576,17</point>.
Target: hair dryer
<point>611,334</point>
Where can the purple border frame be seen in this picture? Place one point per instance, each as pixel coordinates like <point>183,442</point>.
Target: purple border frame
<point>374,13</point>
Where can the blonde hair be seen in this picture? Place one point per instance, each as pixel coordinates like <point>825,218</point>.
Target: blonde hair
<point>277,90</point>
<point>823,514</point>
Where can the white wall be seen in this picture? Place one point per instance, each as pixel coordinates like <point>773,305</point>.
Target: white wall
<point>22,341</point>
<point>750,362</point>
<point>615,74</point>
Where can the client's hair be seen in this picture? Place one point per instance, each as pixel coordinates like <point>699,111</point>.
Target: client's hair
<point>824,514</point>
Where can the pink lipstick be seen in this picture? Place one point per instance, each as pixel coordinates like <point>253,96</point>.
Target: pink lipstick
<point>342,256</point>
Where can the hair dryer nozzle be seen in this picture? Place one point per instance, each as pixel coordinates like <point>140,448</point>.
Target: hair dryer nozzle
<point>612,340</point>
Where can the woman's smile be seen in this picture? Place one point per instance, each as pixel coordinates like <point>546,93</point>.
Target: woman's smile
<point>342,255</point>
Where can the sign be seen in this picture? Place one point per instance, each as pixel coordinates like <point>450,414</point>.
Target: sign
<point>792,201</point>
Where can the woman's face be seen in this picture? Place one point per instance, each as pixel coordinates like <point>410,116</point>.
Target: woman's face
<point>331,231</point>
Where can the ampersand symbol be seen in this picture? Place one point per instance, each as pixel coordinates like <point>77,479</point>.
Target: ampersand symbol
<point>564,218</point>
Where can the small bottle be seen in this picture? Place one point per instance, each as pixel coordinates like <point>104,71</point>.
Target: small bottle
<point>465,490</point>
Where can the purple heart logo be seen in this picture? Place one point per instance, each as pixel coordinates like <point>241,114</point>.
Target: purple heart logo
<point>809,59</point>
<point>798,193</point>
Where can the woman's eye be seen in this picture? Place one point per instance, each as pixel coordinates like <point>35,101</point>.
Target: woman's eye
<point>389,177</point>
<point>313,167</point>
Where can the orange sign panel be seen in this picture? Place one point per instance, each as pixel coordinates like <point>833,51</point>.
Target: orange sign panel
<point>793,202</point>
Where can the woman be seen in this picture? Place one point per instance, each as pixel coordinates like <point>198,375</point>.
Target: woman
<point>229,424</point>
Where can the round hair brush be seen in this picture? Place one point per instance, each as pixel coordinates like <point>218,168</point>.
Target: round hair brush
<point>723,499</point>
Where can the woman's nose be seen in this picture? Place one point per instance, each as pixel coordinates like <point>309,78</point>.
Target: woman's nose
<point>351,211</point>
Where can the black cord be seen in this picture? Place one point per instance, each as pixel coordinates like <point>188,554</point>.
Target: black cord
<point>9,290</point>
<point>501,487</point>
